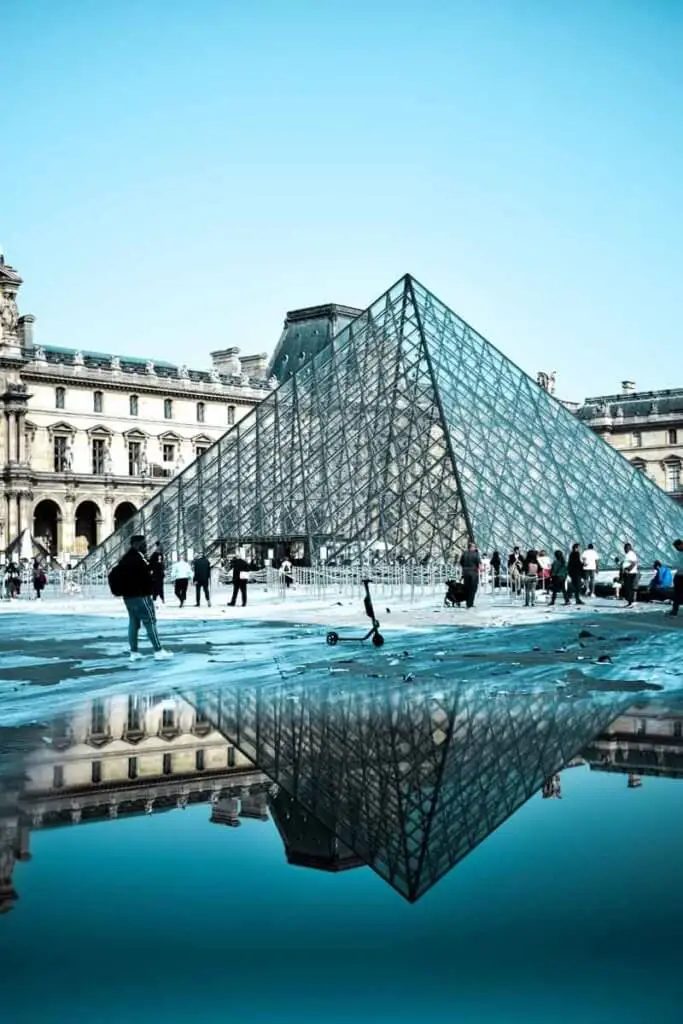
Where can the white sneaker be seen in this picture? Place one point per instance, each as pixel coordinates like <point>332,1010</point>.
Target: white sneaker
<point>162,655</point>
<point>135,656</point>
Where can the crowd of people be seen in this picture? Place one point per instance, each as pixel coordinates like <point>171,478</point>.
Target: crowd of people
<point>571,578</point>
<point>141,582</point>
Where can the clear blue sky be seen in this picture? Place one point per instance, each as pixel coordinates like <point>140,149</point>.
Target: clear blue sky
<point>176,174</point>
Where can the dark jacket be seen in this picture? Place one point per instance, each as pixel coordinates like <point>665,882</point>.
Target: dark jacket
<point>238,567</point>
<point>202,570</point>
<point>134,576</point>
<point>559,569</point>
<point>157,565</point>
<point>575,565</point>
<point>469,563</point>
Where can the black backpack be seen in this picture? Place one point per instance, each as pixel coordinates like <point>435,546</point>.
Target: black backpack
<point>115,581</point>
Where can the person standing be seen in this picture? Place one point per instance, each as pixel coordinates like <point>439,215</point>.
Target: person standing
<point>181,574</point>
<point>240,571</point>
<point>575,571</point>
<point>286,573</point>
<point>202,579</point>
<point>132,580</point>
<point>678,579</point>
<point>157,565</point>
<point>558,578</point>
<point>629,574</point>
<point>590,562</point>
<point>469,563</point>
<point>531,571</point>
<point>515,571</point>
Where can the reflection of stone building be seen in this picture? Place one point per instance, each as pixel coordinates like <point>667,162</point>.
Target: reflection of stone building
<point>118,757</point>
<point>87,438</point>
<point>646,427</point>
<point>642,741</point>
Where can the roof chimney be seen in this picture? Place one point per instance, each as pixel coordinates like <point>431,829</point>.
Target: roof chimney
<point>628,386</point>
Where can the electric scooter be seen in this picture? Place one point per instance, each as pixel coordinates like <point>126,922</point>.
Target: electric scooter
<point>333,637</point>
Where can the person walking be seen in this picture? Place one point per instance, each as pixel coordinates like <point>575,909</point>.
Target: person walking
<point>157,565</point>
<point>495,569</point>
<point>590,563</point>
<point>181,574</point>
<point>678,579</point>
<point>575,571</point>
<point>558,578</point>
<point>202,579</point>
<point>629,575</point>
<point>39,578</point>
<point>132,580</point>
<point>469,563</point>
<point>531,571</point>
<point>240,574</point>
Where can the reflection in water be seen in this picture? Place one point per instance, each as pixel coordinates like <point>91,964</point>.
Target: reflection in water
<point>399,777</point>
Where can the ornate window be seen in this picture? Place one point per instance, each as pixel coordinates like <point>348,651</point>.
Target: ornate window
<point>168,452</point>
<point>133,405</point>
<point>231,415</point>
<point>97,401</point>
<point>672,437</point>
<point>636,439</point>
<point>201,412</point>
<point>168,409</point>
<point>639,464</point>
<point>60,453</point>
<point>673,477</point>
<point>134,458</point>
<point>98,447</point>
<point>60,398</point>
<point>201,448</point>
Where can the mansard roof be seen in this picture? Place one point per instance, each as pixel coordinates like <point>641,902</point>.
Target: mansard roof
<point>634,403</point>
<point>56,355</point>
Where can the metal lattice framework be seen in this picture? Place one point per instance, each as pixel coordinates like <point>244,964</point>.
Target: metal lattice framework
<point>411,781</point>
<point>404,435</point>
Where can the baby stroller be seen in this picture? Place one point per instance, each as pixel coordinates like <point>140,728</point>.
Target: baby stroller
<point>455,593</point>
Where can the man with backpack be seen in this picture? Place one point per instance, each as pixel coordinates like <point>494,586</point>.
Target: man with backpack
<point>132,580</point>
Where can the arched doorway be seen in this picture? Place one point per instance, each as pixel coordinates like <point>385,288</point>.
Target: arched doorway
<point>123,512</point>
<point>47,519</point>
<point>87,522</point>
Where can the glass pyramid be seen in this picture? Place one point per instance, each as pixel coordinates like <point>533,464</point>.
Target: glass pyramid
<point>407,433</point>
<point>410,780</point>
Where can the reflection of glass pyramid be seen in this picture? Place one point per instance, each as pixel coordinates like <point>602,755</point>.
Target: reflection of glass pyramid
<point>410,780</point>
<point>406,433</point>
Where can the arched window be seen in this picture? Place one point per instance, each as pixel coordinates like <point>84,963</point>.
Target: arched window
<point>231,415</point>
<point>201,412</point>
<point>168,409</point>
<point>60,398</point>
<point>97,401</point>
<point>133,405</point>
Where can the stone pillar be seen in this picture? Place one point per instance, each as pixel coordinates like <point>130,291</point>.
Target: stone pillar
<point>67,538</point>
<point>11,438</point>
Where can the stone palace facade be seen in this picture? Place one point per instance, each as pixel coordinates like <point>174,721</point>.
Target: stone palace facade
<point>646,427</point>
<point>87,438</point>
